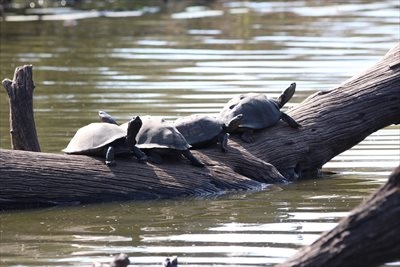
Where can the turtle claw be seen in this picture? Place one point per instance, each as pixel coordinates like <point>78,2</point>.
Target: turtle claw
<point>110,155</point>
<point>140,155</point>
<point>111,163</point>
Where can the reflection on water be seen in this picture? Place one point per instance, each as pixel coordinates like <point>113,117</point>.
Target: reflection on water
<point>143,57</point>
<point>239,229</point>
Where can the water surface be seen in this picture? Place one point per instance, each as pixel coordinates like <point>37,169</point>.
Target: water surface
<point>174,60</point>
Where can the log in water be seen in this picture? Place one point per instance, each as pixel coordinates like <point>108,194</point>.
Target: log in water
<point>332,122</point>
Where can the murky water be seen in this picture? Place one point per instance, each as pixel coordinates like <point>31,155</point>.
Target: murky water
<point>177,59</point>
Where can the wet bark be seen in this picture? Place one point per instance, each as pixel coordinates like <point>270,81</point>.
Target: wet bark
<point>369,236</point>
<point>332,122</point>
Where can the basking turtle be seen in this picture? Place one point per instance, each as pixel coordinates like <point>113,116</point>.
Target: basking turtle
<point>203,130</point>
<point>120,260</point>
<point>157,137</point>
<point>173,262</point>
<point>258,111</point>
<point>106,139</point>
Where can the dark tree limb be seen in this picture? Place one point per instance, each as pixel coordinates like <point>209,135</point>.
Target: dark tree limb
<point>22,122</point>
<point>369,236</point>
<point>332,122</point>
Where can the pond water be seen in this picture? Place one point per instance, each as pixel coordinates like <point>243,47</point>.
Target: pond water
<point>174,59</point>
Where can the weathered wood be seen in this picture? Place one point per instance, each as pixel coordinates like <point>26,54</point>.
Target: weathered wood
<point>332,121</point>
<point>369,236</point>
<point>22,122</point>
<point>32,179</point>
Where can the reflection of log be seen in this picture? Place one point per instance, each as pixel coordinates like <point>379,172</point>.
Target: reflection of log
<point>369,236</point>
<point>332,121</point>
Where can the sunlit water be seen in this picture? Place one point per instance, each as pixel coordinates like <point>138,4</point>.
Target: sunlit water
<point>177,59</point>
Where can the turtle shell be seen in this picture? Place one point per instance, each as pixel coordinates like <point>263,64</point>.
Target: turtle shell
<point>92,137</point>
<point>158,133</point>
<point>199,128</point>
<point>258,111</point>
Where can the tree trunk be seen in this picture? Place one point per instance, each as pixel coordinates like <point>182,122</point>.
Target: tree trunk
<point>22,122</point>
<point>332,122</point>
<point>369,236</point>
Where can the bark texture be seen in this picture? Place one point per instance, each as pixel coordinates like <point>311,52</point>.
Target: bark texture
<point>369,236</point>
<point>332,122</point>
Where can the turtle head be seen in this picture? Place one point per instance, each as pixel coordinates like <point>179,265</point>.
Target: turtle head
<point>133,128</point>
<point>105,117</point>
<point>234,123</point>
<point>286,95</point>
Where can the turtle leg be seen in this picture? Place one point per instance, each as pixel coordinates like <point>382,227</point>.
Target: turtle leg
<point>139,154</point>
<point>223,140</point>
<point>110,157</point>
<point>248,136</point>
<point>154,157</point>
<point>289,120</point>
<point>192,158</point>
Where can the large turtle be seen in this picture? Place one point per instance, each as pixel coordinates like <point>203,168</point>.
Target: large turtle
<point>106,139</point>
<point>158,137</point>
<point>203,130</point>
<point>258,111</point>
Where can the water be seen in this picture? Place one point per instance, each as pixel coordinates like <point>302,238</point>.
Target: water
<point>177,59</point>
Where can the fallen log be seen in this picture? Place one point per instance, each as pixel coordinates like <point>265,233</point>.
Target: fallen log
<point>369,236</point>
<point>332,122</point>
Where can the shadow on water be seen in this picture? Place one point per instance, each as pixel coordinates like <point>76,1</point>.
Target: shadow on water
<point>173,59</point>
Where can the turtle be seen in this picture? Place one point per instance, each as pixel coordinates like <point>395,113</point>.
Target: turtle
<point>120,260</point>
<point>106,139</point>
<point>173,262</point>
<point>158,137</point>
<point>258,111</point>
<point>201,130</point>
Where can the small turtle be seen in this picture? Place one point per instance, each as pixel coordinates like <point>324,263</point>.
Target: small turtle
<point>105,139</point>
<point>158,137</point>
<point>173,262</point>
<point>203,130</point>
<point>258,111</point>
<point>120,260</point>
